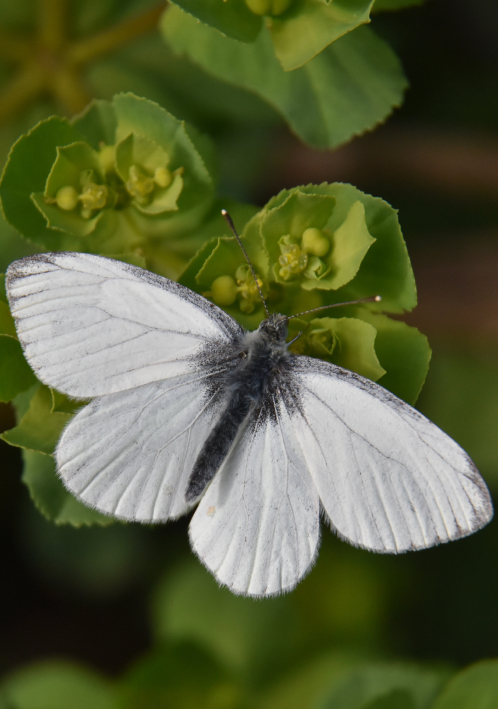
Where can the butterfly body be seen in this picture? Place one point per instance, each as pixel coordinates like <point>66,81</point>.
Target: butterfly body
<point>187,407</point>
<point>263,359</point>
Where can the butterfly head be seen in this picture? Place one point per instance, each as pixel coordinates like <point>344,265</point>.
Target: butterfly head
<point>274,328</point>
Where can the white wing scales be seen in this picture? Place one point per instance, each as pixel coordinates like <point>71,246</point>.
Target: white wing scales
<point>130,454</point>
<point>91,326</point>
<point>257,526</point>
<point>388,478</point>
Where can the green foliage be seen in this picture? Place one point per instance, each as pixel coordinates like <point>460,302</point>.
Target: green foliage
<point>462,398</point>
<point>16,373</point>
<point>233,19</point>
<point>40,427</point>
<point>50,497</point>
<point>179,677</point>
<point>345,90</point>
<point>57,685</point>
<point>474,688</point>
<point>299,29</point>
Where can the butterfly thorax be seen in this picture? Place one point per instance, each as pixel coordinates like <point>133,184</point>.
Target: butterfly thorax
<point>263,356</point>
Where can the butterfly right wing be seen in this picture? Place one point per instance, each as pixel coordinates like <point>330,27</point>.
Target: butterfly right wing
<point>91,326</point>
<point>389,479</point>
<point>130,454</point>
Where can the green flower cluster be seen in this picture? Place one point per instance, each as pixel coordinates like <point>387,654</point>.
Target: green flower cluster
<point>320,245</point>
<point>116,180</point>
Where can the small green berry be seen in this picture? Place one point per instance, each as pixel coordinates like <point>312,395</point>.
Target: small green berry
<point>66,198</point>
<point>224,290</point>
<point>139,185</point>
<point>314,242</point>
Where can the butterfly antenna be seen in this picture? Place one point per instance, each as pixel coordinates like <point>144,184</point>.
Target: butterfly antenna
<point>371,299</point>
<point>230,223</point>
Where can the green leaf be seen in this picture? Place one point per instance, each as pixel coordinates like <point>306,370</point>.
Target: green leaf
<point>397,699</point>
<point>346,342</point>
<point>241,633</point>
<point>372,686</point>
<point>72,162</point>
<point>62,404</point>
<point>380,5</point>
<point>97,124</point>
<point>461,396</point>
<point>7,325</point>
<point>57,685</point>
<point>29,164</point>
<point>475,687</point>
<point>336,681</point>
<point>347,89</point>
<point>311,25</point>
<point>233,18</point>
<point>40,427</point>
<point>403,352</point>
<point>180,676</point>
<point>214,225</point>
<point>17,375</point>
<point>385,269</point>
<point>3,294</point>
<point>50,496</point>
<point>351,242</point>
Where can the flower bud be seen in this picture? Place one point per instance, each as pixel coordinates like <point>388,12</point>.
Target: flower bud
<point>292,260</point>
<point>248,289</point>
<point>224,290</point>
<point>139,185</point>
<point>314,242</point>
<point>93,197</point>
<point>66,198</point>
<point>163,177</point>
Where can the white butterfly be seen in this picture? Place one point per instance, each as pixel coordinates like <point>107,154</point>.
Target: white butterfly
<point>188,405</point>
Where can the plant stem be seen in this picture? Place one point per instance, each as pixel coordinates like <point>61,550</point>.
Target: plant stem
<point>23,87</point>
<point>52,24</point>
<point>92,48</point>
<point>13,47</point>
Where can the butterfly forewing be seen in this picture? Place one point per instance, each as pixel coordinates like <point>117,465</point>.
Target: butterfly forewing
<point>388,478</point>
<point>91,326</point>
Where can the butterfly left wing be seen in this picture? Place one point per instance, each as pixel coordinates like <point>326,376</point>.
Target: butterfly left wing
<point>257,526</point>
<point>388,478</point>
<point>130,454</point>
<point>91,326</point>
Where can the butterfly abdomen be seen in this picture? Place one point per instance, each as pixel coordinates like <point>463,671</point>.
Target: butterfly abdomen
<point>246,386</point>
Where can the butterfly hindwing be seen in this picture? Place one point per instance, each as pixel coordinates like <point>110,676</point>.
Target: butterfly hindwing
<point>130,454</point>
<point>91,326</point>
<point>257,525</point>
<point>388,478</point>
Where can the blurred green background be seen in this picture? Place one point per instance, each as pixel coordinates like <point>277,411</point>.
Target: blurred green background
<point>131,602</point>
